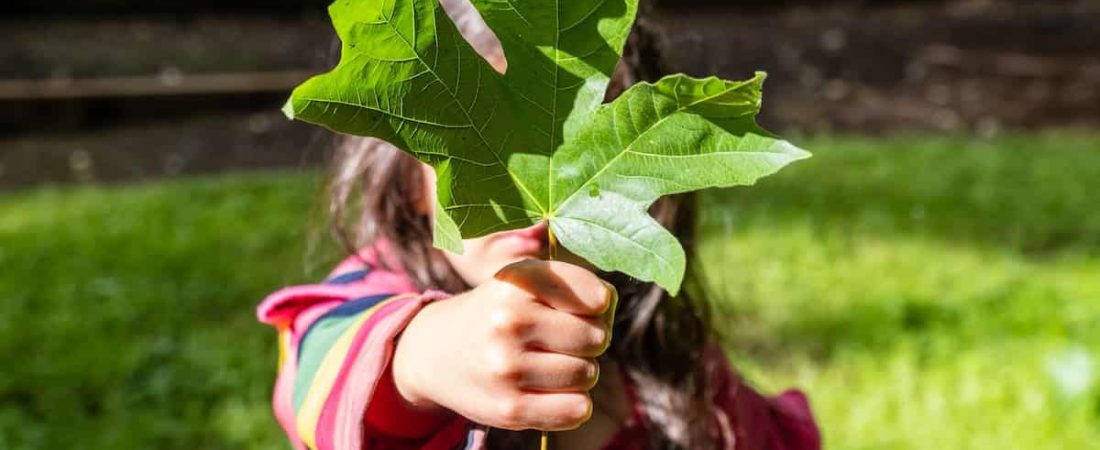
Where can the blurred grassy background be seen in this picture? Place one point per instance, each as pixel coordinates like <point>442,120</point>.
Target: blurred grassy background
<point>926,291</point>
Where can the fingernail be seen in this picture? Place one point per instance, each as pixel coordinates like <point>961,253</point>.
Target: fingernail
<point>612,302</point>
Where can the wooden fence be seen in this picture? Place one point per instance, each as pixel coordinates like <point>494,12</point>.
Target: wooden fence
<point>171,86</point>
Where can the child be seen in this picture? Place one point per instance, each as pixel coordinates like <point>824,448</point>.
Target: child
<point>409,347</point>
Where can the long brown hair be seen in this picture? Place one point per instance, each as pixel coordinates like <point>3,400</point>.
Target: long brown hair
<point>659,340</point>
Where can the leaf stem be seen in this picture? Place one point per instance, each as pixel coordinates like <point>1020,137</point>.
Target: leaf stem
<point>552,252</point>
<point>552,247</point>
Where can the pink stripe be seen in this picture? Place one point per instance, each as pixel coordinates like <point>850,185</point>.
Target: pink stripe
<point>289,302</point>
<point>369,331</point>
<point>366,370</point>
<point>294,310</point>
<point>282,400</point>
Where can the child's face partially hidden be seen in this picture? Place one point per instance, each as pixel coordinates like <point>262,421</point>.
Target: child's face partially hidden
<point>484,256</point>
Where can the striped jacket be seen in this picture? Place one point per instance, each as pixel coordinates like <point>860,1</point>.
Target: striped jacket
<point>334,390</point>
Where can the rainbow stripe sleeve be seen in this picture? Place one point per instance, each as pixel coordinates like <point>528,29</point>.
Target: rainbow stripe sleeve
<point>335,343</point>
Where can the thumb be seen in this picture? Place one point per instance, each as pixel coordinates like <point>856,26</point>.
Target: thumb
<point>609,316</point>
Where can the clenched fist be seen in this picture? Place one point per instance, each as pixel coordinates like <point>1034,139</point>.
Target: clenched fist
<point>517,352</point>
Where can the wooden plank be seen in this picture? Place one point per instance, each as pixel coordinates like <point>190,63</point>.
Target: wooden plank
<point>952,66</point>
<point>165,84</point>
<point>98,7</point>
<point>67,47</point>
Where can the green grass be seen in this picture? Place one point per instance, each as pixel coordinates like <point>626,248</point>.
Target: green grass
<point>127,314</point>
<point>921,289</point>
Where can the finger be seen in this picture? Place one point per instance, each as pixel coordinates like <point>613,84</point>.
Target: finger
<point>560,285</point>
<point>555,372</point>
<point>559,332</point>
<point>546,411</point>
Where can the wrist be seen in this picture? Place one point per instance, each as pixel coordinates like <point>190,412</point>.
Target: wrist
<point>389,414</point>
<point>410,356</point>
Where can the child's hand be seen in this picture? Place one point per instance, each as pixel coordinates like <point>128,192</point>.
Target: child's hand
<point>517,352</point>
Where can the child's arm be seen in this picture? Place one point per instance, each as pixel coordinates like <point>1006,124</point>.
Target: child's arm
<point>472,354</point>
<point>335,343</point>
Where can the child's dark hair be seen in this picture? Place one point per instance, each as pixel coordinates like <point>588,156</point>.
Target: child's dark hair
<point>659,340</point>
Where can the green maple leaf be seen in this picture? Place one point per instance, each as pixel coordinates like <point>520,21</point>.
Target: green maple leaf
<point>537,143</point>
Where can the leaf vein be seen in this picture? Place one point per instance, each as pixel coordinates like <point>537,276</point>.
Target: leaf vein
<point>627,148</point>
<point>519,182</point>
<point>666,262</point>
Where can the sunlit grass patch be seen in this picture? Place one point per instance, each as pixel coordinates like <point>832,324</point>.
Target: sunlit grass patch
<point>926,292</point>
